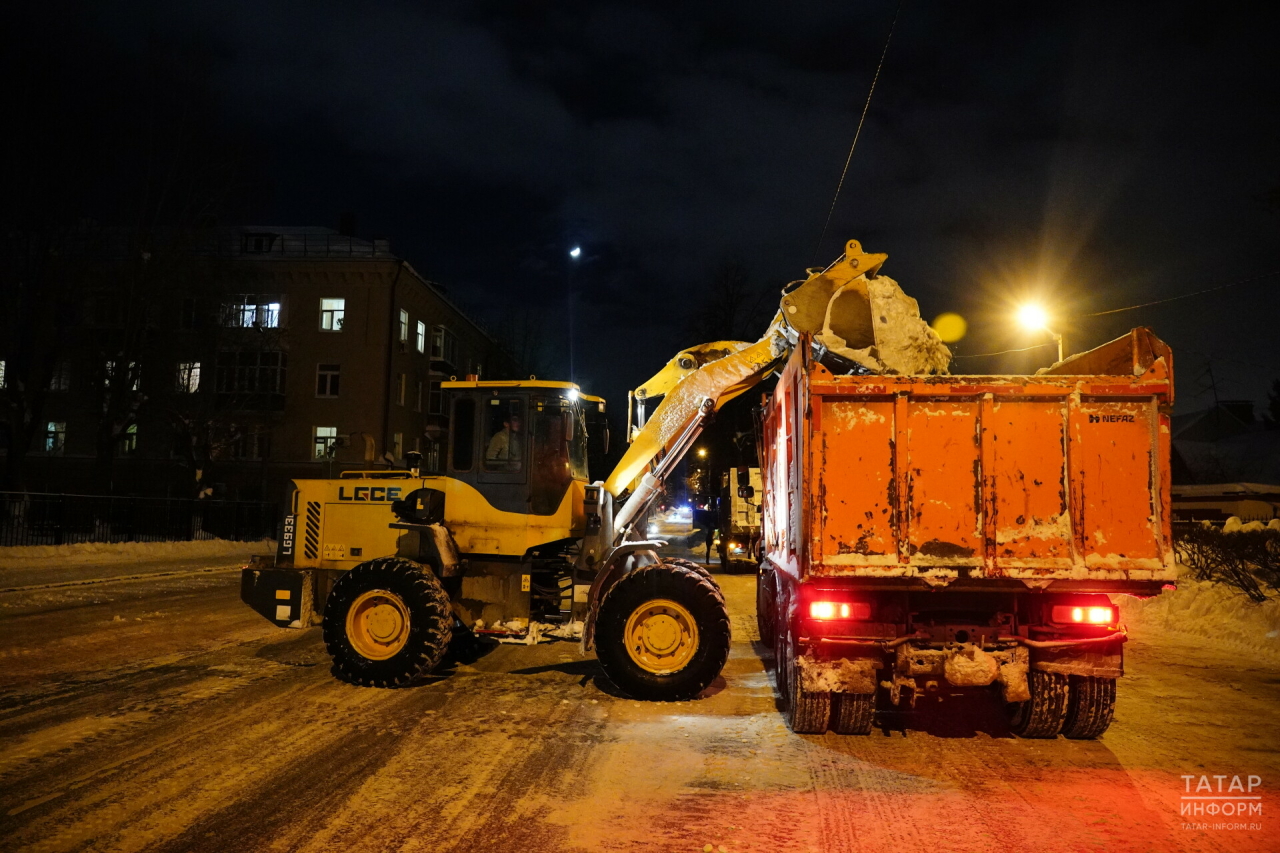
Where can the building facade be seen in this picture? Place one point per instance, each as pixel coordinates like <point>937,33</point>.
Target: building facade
<point>272,354</point>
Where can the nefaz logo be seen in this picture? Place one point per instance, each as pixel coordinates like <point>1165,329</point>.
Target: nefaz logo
<point>369,493</point>
<point>1111,419</point>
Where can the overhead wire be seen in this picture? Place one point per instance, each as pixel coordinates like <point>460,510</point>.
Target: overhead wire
<point>857,133</point>
<point>1187,295</point>
<point>1004,351</point>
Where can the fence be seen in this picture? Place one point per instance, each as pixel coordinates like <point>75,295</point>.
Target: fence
<point>36,519</point>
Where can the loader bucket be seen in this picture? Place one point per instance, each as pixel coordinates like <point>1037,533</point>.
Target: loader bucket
<point>864,317</point>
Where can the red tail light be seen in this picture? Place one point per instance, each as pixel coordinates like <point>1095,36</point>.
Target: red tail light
<point>1084,614</point>
<point>858,610</point>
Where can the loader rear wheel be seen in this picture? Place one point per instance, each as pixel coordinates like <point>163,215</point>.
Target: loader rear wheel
<point>387,622</point>
<point>807,712</point>
<point>1043,714</point>
<point>853,713</point>
<point>1091,706</point>
<point>662,632</point>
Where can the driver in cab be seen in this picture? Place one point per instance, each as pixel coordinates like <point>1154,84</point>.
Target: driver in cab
<point>504,450</point>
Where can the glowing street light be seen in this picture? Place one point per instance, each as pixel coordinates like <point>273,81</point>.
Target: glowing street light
<point>1036,319</point>
<point>702,453</point>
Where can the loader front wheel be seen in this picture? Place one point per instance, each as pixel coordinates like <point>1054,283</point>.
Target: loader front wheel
<point>1042,715</point>
<point>1091,706</point>
<point>387,622</point>
<point>662,633</point>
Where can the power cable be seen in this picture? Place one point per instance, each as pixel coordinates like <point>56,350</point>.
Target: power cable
<point>865,107</point>
<point>1187,295</point>
<point>1004,351</point>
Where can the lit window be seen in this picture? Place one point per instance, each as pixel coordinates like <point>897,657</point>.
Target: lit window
<point>422,336</point>
<point>129,440</point>
<point>252,312</point>
<point>404,326</point>
<point>325,442</point>
<point>332,314</point>
<point>327,376</point>
<point>55,437</point>
<point>188,377</point>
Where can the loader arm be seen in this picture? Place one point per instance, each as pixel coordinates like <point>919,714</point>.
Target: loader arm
<point>690,393</point>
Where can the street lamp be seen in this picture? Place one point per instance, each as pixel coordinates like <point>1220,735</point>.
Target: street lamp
<point>702,453</point>
<point>1036,319</point>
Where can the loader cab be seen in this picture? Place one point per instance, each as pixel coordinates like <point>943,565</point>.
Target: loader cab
<point>520,444</point>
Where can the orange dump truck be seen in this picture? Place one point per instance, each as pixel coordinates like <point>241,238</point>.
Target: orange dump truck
<point>940,534</point>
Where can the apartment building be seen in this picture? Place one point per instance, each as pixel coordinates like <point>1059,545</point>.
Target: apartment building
<point>282,353</point>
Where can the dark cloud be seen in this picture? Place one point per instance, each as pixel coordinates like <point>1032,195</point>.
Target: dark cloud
<point>1101,154</point>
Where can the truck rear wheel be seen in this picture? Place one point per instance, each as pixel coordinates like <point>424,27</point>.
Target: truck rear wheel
<point>1091,706</point>
<point>853,713</point>
<point>1043,714</point>
<point>662,632</point>
<point>807,712</point>
<point>387,622</point>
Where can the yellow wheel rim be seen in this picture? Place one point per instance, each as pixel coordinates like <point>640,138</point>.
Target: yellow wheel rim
<point>378,624</point>
<point>661,636</point>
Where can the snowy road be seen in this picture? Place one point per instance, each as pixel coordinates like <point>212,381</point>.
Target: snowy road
<point>160,714</point>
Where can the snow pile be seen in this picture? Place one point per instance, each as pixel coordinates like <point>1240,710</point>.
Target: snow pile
<point>128,552</point>
<point>904,343</point>
<point>1211,611</point>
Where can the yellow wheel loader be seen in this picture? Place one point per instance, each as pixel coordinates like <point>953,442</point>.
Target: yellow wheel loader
<point>512,539</point>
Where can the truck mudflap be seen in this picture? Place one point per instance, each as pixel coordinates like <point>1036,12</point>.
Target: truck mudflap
<point>283,596</point>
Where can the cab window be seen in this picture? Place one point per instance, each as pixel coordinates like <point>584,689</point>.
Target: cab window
<point>504,435</point>
<point>462,432</point>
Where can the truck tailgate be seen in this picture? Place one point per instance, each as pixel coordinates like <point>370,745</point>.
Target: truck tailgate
<point>1032,477</point>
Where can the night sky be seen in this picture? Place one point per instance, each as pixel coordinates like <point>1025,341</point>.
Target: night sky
<point>1093,155</point>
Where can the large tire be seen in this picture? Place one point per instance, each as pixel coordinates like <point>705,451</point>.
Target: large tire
<point>853,713</point>
<point>387,623</point>
<point>806,712</point>
<point>1091,706</point>
<point>1043,714</point>
<point>662,632</point>
<point>695,567</point>
<point>766,605</point>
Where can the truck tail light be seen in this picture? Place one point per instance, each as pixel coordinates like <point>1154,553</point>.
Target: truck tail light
<point>839,610</point>
<point>1084,615</point>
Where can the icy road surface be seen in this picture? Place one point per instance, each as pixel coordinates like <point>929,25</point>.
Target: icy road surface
<point>158,713</point>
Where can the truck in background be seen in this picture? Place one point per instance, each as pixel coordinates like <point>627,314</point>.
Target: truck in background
<point>739,519</point>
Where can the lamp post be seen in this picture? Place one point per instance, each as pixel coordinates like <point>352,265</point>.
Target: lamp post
<point>1036,319</point>
<point>574,254</point>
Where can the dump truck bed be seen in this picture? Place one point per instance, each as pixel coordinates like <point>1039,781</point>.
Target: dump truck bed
<point>1058,480</point>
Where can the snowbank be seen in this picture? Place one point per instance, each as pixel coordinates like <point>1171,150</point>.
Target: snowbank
<point>129,552</point>
<point>1211,611</point>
